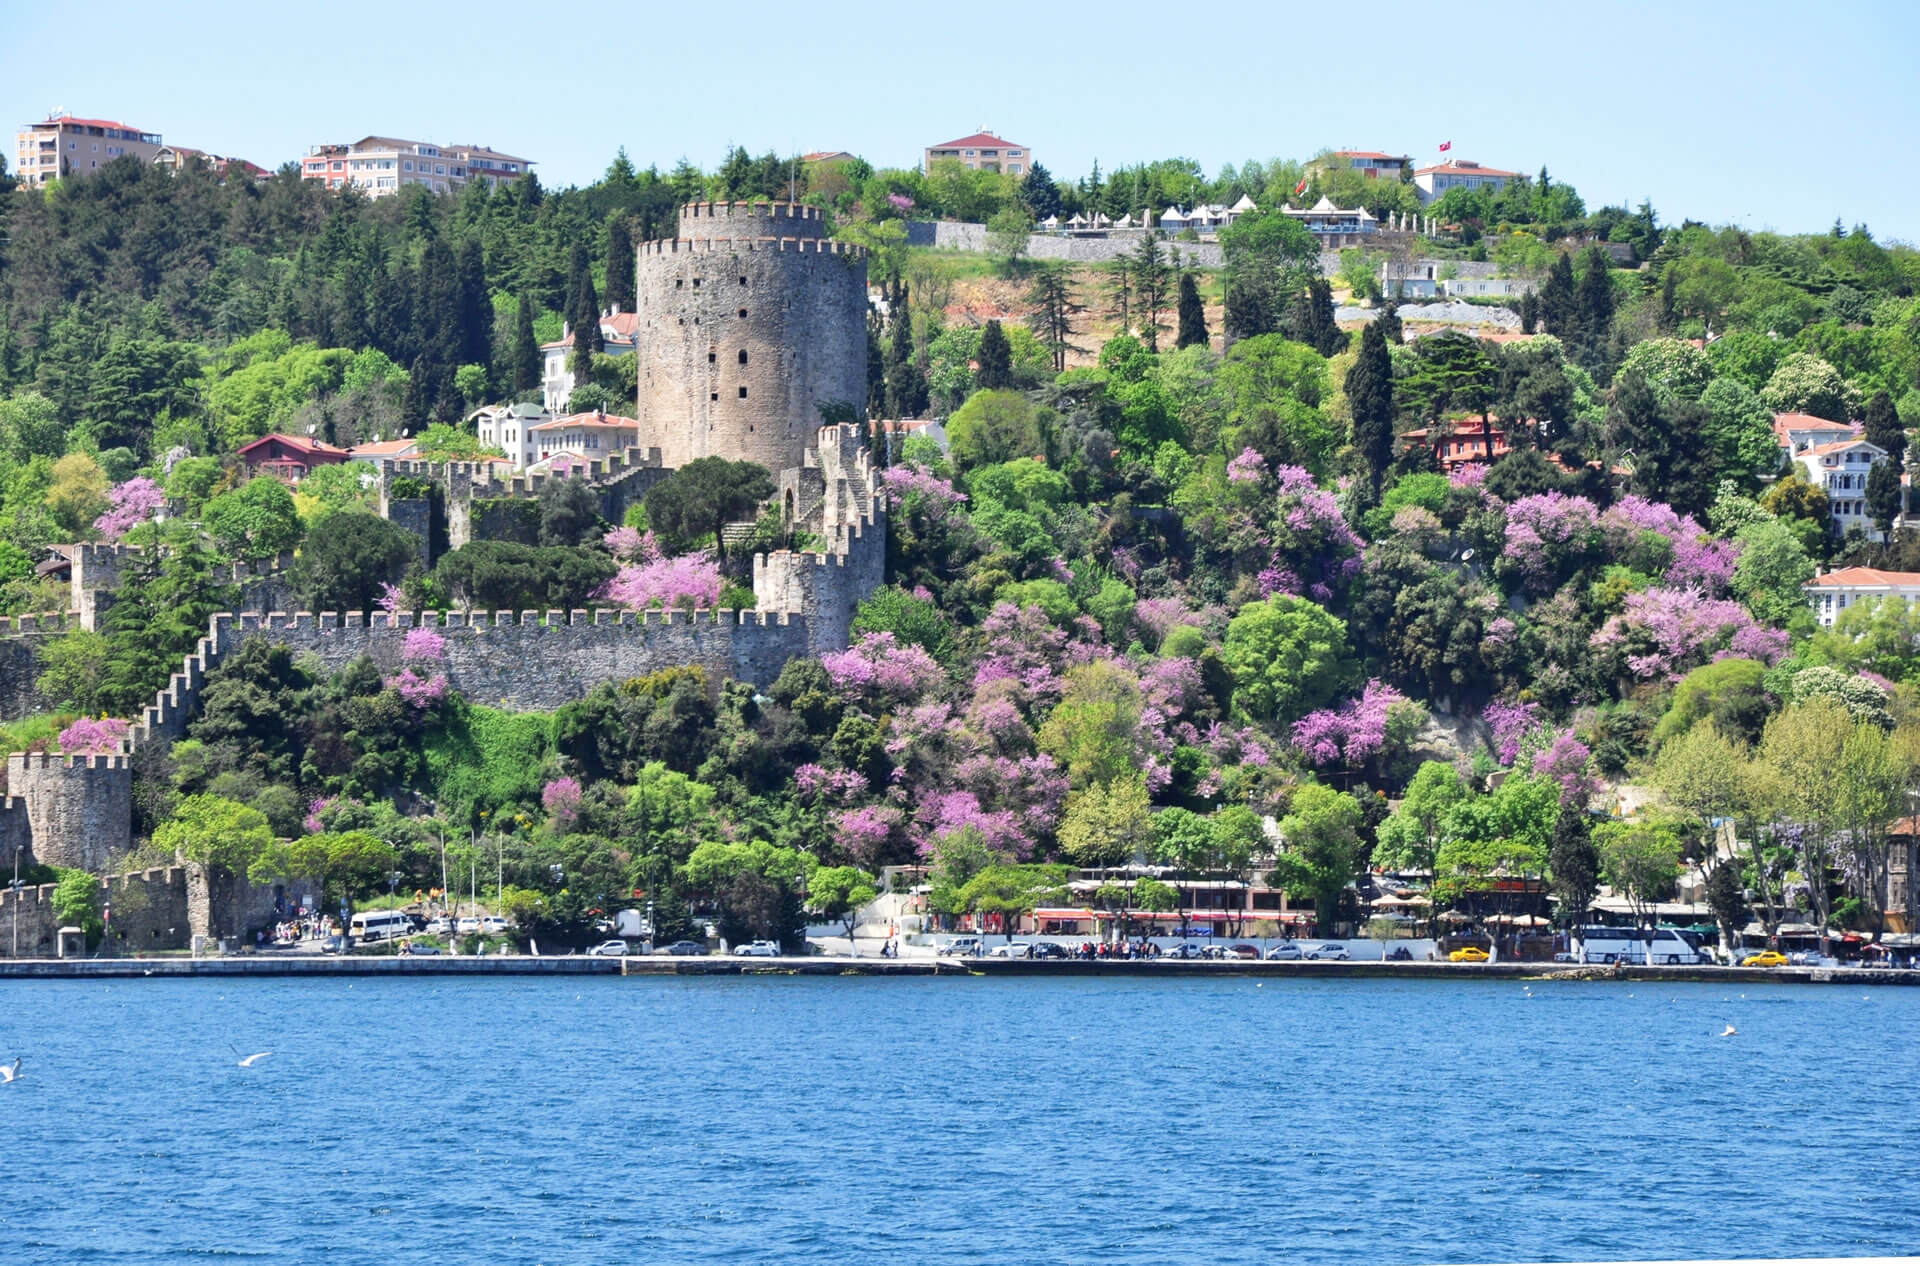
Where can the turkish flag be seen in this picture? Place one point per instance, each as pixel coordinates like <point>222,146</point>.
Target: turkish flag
<point>1445,146</point>
<point>1301,187</point>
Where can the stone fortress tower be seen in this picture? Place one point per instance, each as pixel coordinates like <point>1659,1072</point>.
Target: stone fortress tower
<point>750,322</point>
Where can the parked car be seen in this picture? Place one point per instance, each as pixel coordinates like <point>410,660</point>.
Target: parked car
<point>757,949</point>
<point>1284,952</point>
<point>615,948</point>
<point>1048,950</point>
<point>439,925</point>
<point>1192,949</point>
<point>1468,954</point>
<point>413,950</point>
<point>494,925</point>
<point>960,947</point>
<point>467,926</point>
<point>1243,951</point>
<point>1765,958</point>
<point>1329,950</point>
<point>686,947</point>
<point>1011,950</point>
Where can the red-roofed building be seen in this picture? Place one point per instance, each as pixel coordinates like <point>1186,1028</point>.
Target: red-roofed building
<point>1837,590</point>
<point>62,144</point>
<point>1840,469</point>
<point>1465,442</point>
<point>1433,182</point>
<point>591,435</point>
<point>1799,431</point>
<point>983,151</point>
<point>288,458</point>
<point>556,380</point>
<point>1372,163</point>
<point>176,157</point>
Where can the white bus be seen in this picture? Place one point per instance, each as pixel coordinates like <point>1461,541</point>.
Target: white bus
<point>1629,945</point>
<point>379,925</point>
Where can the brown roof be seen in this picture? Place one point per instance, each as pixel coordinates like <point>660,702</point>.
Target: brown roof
<point>1461,167</point>
<point>977,140</point>
<point>1807,422</point>
<point>300,442</point>
<point>1815,450</point>
<point>610,420</point>
<point>1858,576</point>
<point>1367,153</point>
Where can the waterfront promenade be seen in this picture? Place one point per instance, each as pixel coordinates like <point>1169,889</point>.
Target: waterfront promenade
<point>313,965</point>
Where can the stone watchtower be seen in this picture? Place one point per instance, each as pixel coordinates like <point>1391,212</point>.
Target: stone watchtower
<point>750,322</point>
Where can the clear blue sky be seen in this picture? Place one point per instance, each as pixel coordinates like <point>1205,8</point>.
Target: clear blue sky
<point>1772,115</point>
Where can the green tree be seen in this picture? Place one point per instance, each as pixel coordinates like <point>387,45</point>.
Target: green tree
<point>1051,312</point>
<point>1322,850</point>
<point>1012,892</point>
<point>1288,656</point>
<point>159,614</point>
<point>620,266</point>
<point>1558,306</point>
<point>1269,257</point>
<point>1411,836</point>
<point>1884,431</point>
<point>1885,495</point>
<point>1094,730</point>
<point>839,892</point>
<point>1804,383</point>
<point>704,496</point>
<point>345,567</point>
<point>1107,825</point>
<point>1151,275</point>
<point>906,384</point>
<point>72,670</point>
<point>223,835</point>
<point>583,312</point>
<point>1574,864</point>
<point>1663,442</point>
<point>998,426</point>
<point>570,512</point>
<point>1370,399</point>
<point>1192,314</point>
<point>995,358</point>
<point>1740,430</point>
<point>1007,234</point>
<point>1640,860</point>
<point>1038,194</point>
<point>523,355</point>
<point>255,521</point>
<point>78,494</point>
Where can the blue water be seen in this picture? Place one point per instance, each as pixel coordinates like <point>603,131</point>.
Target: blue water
<point>976,1121</point>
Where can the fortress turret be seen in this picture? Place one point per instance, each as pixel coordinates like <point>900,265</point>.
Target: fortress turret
<point>751,321</point>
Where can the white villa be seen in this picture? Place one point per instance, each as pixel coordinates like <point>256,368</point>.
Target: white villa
<point>1840,469</point>
<point>1837,590</point>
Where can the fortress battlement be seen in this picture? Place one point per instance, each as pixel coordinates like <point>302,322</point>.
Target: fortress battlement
<point>750,210</point>
<point>739,245</point>
<point>56,760</point>
<point>45,622</point>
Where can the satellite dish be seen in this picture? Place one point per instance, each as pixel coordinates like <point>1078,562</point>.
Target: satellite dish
<point>311,427</point>
<point>1465,555</point>
<point>405,432</point>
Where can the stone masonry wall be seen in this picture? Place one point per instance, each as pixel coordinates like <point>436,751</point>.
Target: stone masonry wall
<point>21,638</point>
<point>149,913</point>
<point>79,808</point>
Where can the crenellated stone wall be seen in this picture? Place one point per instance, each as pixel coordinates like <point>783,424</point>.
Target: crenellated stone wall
<point>79,809</point>
<point>21,639</point>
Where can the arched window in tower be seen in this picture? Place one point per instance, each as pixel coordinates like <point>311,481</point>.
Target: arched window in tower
<point>743,356</point>
<point>743,313</point>
<point>743,393</point>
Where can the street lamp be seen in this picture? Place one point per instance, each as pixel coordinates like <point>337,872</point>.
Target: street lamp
<point>800,882</point>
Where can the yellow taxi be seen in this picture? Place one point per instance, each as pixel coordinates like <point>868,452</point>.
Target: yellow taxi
<point>1468,954</point>
<point>1765,958</point>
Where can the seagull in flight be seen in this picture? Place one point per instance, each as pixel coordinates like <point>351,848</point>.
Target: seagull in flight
<point>246,1061</point>
<point>1731,1032</point>
<point>10,1072</point>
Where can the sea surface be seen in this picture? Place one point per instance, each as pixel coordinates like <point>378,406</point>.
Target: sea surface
<point>785,1120</point>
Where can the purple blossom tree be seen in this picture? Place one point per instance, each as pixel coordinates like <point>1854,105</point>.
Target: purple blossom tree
<point>424,645</point>
<point>561,799</point>
<point>690,581</point>
<point>129,505</point>
<point>1664,632</point>
<point>879,667</point>
<point>94,736</point>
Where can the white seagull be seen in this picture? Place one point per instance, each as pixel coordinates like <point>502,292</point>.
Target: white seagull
<point>247,1061</point>
<point>10,1072</point>
<point>1730,1032</point>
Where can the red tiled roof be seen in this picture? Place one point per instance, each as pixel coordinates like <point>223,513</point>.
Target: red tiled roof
<point>1463,168</point>
<point>1807,422</point>
<point>976,141</point>
<point>1818,450</point>
<point>382,448</point>
<point>1367,153</point>
<point>298,442</point>
<point>1864,576</point>
<point>611,420</point>
<point>124,127</point>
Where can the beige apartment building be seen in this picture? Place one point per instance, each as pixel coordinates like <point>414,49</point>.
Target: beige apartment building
<point>382,165</point>
<point>982,151</point>
<point>61,143</point>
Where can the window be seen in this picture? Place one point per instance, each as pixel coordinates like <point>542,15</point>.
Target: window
<point>712,357</point>
<point>743,356</point>
<point>696,283</point>
<point>743,281</point>
<point>743,314</point>
<point>1013,153</point>
<point>678,283</point>
<point>713,395</point>
<point>743,393</point>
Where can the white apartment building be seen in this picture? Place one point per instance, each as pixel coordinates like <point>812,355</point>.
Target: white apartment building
<point>60,142</point>
<point>556,380</point>
<point>509,428</point>
<point>592,436</point>
<point>1837,590</point>
<point>1841,470</point>
<point>1433,182</point>
<point>383,165</point>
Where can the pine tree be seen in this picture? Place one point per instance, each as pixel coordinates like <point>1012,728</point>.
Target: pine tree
<point>1529,312</point>
<point>1052,312</point>
<point>996,359</point>
<point>1120,291</point>
<point>1193,314</point>
<point>1574,863</point>
<point>1594,300</point>
<point>1389,323</point>
<point>1883,495</point>
<point>620,268</point>
<point>1038,194</point>
<point>906,385</point>
<point>524,357</point>
<point>1883,429</point>
<point>876,367</point>
<point>1151,273</point>
<point>1310,318</point>
<point>1370,399</point>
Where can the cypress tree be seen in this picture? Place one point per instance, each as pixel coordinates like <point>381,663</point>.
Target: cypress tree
<point>1883,495</point>
<point>996,359</point>
<point>620,270</point>
<point>1389,323</point>
<point>1529,312</point>
<point>1594,300</point>
<point>1193,315</point>
<point>1574,863</point>
<point>474,310</point>
<point>876,368</point>
<point>524,357</point>
<point>583,311</point>
<point>1556,297</point>
<point>1370,397</point>
<point>906,386</point>
<point>1883,428</point>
